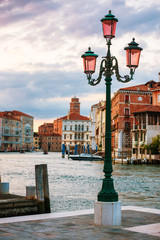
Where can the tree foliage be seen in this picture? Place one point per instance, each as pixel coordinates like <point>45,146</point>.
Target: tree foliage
<point>154,146</point>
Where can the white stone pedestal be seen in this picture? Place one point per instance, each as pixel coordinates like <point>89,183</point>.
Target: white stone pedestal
<point>107,213</point>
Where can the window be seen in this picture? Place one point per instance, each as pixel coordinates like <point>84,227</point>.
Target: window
<point>126,112</point>
<point>79,127</point>
<point>6,131</point>
<point>75,127</point>
<point>127,125</point>
<point>71,128</point>
<point>87,128</point>
<point>70,136</point>
<point>126,97</point>
<point>141,136</point>
<point>87,137</point>
<point>82,127</point>
<point>151,100</point>
<point>64,136</point>
<point>65,127</point>
<point>136,136</point>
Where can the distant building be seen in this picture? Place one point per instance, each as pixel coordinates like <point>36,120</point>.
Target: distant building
<point>99,122</point>
<point>37,141</point>
<point>93,127</point>
<point>16,131</point>
<point>51,142</point>
<point>46,128</point>
<point>74,128</point>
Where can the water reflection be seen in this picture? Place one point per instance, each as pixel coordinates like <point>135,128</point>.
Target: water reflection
<point>74,184</point>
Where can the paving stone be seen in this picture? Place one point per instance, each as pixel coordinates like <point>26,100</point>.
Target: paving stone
<point>79,228</point>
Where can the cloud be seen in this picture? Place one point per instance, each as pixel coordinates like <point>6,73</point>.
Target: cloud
<point>42,43</point>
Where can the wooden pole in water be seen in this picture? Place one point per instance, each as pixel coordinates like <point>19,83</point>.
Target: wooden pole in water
<point>141,157</point>
<point>42,188</point>
<point>46,189</point>
<point>149,155</point>
<point>68,151</point>
<point>122,156</point>
<point>39,188</point>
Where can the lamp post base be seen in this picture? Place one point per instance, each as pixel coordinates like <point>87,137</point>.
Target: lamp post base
<point>107,213</point>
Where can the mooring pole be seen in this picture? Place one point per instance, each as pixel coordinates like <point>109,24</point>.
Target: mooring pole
<point>42,188</point>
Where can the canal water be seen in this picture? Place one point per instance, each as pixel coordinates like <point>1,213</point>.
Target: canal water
<point>74,185</point>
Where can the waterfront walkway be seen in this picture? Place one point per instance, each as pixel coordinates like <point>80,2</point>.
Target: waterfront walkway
<point>137,223</point>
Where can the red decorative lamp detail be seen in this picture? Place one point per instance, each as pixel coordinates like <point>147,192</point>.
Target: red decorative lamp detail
<point>109,25</point>
<point>133,54</point>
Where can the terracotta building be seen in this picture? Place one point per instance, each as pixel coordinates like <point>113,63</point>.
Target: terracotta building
<point>45,128</point>
<point>51,142</point>
<point>16,131</point>
<point>124,103</point>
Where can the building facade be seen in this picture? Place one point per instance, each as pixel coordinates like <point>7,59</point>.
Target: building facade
<point>74,128</point>
<point>16,131</point>
<point>46,128</point>
<point>145,127</point>
<point>124,102</point>
<point>51,142</point>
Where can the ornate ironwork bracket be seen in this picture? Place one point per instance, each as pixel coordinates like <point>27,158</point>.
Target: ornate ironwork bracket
<point>108,66</point>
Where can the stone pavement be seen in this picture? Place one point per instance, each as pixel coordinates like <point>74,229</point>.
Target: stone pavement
<point>137,224</point>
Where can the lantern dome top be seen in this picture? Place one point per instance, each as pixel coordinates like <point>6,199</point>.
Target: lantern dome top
<point>133,45</point>
<point>89,53</point>
<point>109,16</point>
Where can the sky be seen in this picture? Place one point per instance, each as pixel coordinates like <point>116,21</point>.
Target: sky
<point>41,43</point>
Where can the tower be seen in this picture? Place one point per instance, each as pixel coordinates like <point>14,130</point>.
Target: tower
<point>75,105</point>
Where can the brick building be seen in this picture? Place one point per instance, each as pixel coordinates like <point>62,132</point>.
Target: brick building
<point>45,128</point>
<point>51,142</point>
<point>124,103</point>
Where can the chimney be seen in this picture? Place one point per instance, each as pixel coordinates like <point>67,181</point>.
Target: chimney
<point>159,76</point>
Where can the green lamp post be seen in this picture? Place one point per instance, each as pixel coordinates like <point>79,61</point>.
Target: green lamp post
<point>109,66</point>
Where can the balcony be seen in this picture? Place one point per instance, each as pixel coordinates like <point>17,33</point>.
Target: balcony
<point>10,142</point>
<point>126,115</point>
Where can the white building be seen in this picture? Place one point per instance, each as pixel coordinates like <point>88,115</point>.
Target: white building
<point>146,126</point>
<point>93,126</point>
<point>76,129</point>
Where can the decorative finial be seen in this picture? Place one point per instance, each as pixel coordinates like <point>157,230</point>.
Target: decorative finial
<point>133,39</point>
<point>89,48</point>
<point>109,11</point>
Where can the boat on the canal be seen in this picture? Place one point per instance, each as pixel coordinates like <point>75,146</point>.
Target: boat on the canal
<point>45,152</point>
<point>86,157</point>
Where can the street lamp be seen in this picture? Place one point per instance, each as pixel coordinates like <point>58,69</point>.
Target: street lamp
<point>109,66</point>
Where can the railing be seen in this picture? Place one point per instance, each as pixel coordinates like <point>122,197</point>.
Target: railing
<point>12,134</point>
<point>10,142</point>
